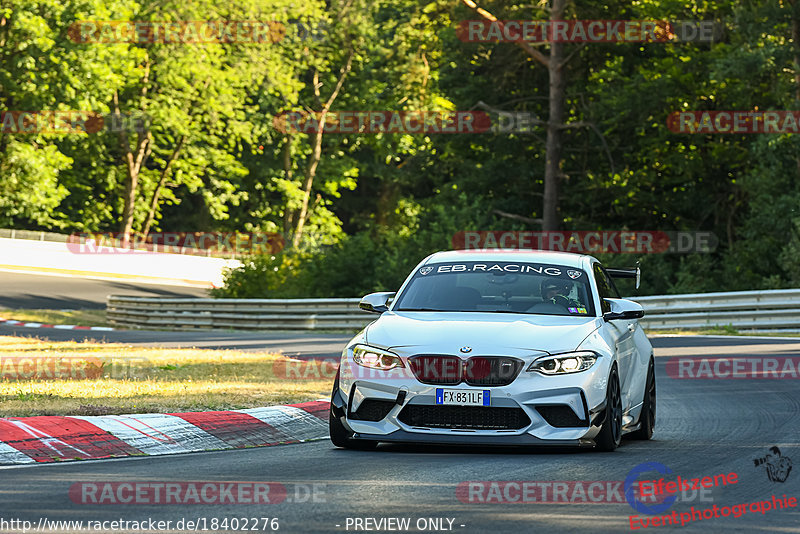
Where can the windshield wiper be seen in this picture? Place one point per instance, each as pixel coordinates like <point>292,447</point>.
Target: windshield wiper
<point>419,309</point>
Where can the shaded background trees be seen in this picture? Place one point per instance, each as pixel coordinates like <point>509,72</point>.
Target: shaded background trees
<point>360,210</point>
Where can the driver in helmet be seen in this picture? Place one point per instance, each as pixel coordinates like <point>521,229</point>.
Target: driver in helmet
<point>557,292</point>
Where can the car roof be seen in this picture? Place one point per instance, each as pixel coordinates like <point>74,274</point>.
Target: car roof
<point>566,259</point>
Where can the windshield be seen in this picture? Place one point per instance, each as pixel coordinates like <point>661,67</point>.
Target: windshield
<point>498,287</point>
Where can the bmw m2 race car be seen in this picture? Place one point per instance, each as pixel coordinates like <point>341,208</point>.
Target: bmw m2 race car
<point>498,348</point>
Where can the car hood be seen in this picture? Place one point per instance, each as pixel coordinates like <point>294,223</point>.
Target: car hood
<point>485,333</point>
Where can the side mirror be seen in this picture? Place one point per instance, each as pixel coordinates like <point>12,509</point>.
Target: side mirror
<point>623,309</point>
<point>376,302</point>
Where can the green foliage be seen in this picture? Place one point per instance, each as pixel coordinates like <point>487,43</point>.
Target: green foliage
<point>380,203</point>
<point>29,188</point>
<point>375,259</point>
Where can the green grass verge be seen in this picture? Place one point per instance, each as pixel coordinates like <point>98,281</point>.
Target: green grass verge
<point>76,317</point>
<point>87,378</point>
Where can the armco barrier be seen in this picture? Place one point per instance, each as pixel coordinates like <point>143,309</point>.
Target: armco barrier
<point>744,310</point>
<point>238,314</point>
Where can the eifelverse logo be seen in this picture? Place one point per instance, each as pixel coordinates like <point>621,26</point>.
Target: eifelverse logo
<point>425,270</point>
<point>574,274</point>
<point>631,481</point>
<point>778,467</point>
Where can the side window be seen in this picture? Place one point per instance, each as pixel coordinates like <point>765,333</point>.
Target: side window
<point>614,291</point>
<point>603,288</point>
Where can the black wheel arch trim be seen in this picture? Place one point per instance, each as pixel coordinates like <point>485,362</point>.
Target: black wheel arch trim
<point>599,413</point>
<point>339,404</point>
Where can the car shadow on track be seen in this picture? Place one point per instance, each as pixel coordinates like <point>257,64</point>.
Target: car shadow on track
<point>403,448</point>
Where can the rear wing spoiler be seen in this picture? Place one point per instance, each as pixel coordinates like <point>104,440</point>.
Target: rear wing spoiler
<point>634,273</point>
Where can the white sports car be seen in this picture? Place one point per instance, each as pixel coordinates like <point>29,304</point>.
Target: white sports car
<point>498,348</point>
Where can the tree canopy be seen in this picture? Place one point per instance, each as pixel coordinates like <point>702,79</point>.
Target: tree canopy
<point>358,210</point>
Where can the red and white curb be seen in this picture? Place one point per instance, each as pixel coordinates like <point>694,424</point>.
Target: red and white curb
<point>43,439</point>
<point>11,322</point>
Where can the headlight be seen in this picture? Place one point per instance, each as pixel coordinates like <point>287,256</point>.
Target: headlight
<point>376,358</point>
<point>561,364</point>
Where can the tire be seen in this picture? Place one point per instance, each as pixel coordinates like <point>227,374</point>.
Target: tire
<point>341,437</point>
<point>610,434</point>
<point>648,418</point>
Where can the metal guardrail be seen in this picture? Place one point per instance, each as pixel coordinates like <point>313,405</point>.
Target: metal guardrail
<point>743,310</point>
<point>33,235</point>
<point>239,314</point>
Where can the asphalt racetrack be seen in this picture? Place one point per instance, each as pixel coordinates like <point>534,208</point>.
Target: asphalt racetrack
<point>293,344</point>
<point>704,428</point>
<point>56,292</point>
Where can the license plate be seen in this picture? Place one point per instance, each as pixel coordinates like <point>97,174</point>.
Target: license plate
<point>463,397</point>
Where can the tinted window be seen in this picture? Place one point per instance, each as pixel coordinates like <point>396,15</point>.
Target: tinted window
<point>604,287</point>
<point>498,287</point>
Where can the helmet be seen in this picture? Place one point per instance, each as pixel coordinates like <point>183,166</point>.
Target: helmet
<point>549,285</point>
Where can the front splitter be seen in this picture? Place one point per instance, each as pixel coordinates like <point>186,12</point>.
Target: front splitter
<point>466,438</point>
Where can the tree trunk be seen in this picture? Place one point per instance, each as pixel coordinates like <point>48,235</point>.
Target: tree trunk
<point>151,214</point>
<point>133,162</point>
<point>316,155</point>
<point>796,48</point>
<point>133,165</point>
<point>552,170</point>
<point>288,214</point>
<point>311,172</point>
<point>131,184</point>
<point>555,122</point>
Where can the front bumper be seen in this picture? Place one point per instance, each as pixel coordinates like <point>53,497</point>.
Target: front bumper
<point>580,397</point>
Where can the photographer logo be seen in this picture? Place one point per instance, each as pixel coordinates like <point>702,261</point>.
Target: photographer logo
<point>778,467</point>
